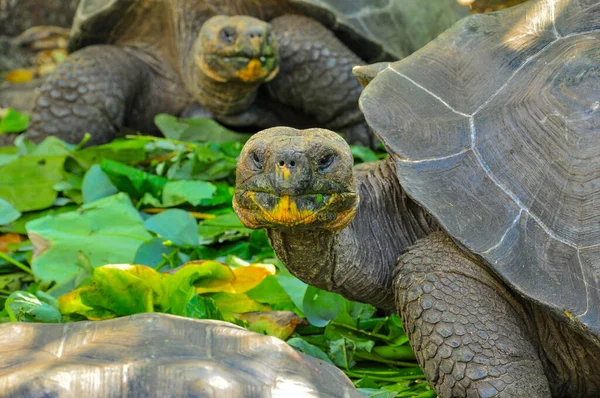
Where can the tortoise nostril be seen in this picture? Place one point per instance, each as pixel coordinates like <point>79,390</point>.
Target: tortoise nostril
<point>281,163</point>
<point>292,164</point>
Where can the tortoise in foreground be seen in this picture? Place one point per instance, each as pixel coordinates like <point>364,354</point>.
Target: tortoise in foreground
<point>138,58</point>
<point>482,228</point>
<point>158,355</point>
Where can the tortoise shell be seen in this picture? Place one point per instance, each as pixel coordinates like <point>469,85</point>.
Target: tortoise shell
<point>157,355</point>
<point>375,30</point>
<point>495,130</point>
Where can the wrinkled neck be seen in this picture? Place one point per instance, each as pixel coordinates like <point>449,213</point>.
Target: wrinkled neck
<point>221,98</point>
<point>358,261</point>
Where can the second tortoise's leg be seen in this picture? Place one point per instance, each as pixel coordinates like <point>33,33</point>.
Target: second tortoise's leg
<point>316,78</point>
<point>98,90</point>
<point>468,333</point>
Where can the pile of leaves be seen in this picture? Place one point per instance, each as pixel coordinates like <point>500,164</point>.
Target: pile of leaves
<point>145,224</point>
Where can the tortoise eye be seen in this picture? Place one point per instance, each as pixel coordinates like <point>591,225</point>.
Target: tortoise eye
<point>228,34</point>
<point>326,161</point>
<point>256,161</point>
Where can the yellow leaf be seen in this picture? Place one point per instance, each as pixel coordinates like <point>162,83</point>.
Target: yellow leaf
<point>280,324</point>
<point>19,76</point>
<point>249,277</point>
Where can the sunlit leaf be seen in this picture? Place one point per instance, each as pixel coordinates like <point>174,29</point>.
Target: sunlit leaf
<point>279,324</point>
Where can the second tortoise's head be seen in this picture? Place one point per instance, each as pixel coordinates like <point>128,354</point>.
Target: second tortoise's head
<point>288,178</point>
<point>237,48</point>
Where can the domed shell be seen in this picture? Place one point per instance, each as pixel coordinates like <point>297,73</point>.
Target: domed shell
<point>495,130</point>
<point>374,29</point>
<point>158,355</point>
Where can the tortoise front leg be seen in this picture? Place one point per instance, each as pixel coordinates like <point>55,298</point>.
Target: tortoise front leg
<point>98,90</point>
<point>316,78</point>
<point>468,333</point>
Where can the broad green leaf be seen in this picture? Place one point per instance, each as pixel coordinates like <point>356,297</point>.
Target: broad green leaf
<point>192,192</point>
<point>309,349</point>
<point>25,307</point>
<point>8,154</point>
<point>123,151</point>
<point>321,307</point>
<point>108,231</point>
<point>27,183</point>
<point>18,226</point>
<point>225,227</point>
<point>133,181</point>
<point>270,292</point>
<point>8,213</point>
<point>294,287</point>
<point>153,252</point>
<point>96,185</point>
<point>200,129</point>
<point>175,225</point>
<point>14,122</point>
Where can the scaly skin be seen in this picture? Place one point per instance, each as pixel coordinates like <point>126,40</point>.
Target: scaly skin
<point>471,334</point>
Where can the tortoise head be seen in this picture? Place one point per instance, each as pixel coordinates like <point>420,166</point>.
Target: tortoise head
<point>237,48</point>
<point>295,178</point>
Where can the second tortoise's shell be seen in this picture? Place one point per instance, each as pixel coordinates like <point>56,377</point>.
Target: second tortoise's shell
<point>374,29</point>
<point>495,130</point>
<point>158,355</point>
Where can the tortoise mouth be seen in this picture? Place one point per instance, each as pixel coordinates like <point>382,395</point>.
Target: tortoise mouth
<point>258,67</point>
<point>332,211</point>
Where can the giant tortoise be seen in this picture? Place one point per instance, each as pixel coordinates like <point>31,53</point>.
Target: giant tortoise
<point>482,227</point>
<point>138,58</point>
<point>158,355</point>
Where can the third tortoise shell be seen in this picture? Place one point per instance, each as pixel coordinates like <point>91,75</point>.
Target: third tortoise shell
<point>495,130</point>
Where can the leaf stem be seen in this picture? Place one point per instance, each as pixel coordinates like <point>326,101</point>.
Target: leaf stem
<point>15,263</point>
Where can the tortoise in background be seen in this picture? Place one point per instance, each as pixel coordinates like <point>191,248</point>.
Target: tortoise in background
<point>137,58</point>
<point>158,355</point>
<point>19,15</point>
<point>482,228</point>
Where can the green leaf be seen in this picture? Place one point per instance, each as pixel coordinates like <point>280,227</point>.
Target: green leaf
<point>270,292</point>
<point>363,154</point>
<point>225,227</point>
<point>107,231</point>
<point>192,192</point>
<point>25,307</point>
<point>196,130</point>
<point>321,307</point>
<point>123,151</point>
<point>309,349</point>
<point>153,252</point>
<point>175,225</point>
<point>14,122</point>
<point>8,213</point>
<point>27,183</point>
<point>96,185</point>
<point>133,181</point>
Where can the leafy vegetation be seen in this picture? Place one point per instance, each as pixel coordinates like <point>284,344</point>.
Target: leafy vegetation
<point>145,224</point>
